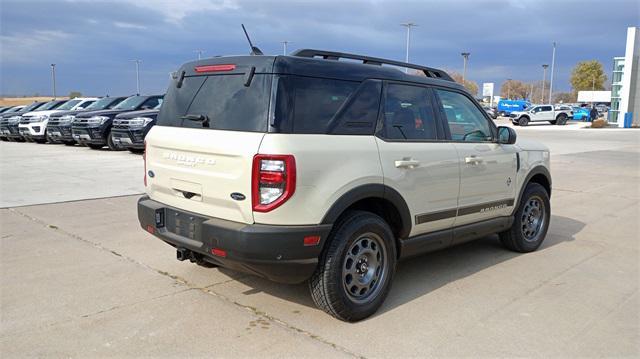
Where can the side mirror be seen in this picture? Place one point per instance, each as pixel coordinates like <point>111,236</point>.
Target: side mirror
<point>506,135</point>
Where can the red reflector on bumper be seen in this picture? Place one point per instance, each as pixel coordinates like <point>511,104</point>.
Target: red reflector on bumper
<point>311,240</point>
<point>219,252</point>
<point>151,229</point>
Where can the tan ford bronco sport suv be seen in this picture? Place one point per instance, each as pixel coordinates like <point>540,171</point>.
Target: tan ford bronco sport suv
<point>329,168</point>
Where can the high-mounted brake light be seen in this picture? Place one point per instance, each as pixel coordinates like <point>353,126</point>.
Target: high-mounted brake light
<point>215,68</point>
<point>273,181</point>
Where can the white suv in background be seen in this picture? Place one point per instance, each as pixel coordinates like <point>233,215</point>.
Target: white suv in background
<point>309,168</point>
<point>33,125</point>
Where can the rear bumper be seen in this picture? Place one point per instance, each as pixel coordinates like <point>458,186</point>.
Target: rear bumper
<point>277,253</point>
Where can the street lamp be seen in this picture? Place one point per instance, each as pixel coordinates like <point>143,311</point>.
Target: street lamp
<point>408,25</point>
<point>465,58</point>
<point>553,62</point>
<point>138,62</point>
<point>53,79</point>
<point>199,52</point>
<point>284,46</point>
<point>544,77</point>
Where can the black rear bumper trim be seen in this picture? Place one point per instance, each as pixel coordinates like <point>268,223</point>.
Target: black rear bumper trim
<point>271,251</point>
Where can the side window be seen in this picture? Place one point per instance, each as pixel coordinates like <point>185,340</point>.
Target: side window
<point>152,102</point>
<point>307,105</point>
<point>465,119</point>
<point>86,104</point>
<point>408,114</point>
<point>545,108</point>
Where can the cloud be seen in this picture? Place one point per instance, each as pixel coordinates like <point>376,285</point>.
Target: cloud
<point>128,25</point>
<point>175,11</point>
<point>28,47</point>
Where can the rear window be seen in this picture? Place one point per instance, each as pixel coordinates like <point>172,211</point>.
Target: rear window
<point>222,99</point>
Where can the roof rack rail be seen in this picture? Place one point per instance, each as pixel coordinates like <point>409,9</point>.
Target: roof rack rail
<point>331,55</point>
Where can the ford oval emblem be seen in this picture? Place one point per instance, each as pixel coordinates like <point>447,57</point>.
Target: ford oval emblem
<point>238,196</point>
<point>151,174</point>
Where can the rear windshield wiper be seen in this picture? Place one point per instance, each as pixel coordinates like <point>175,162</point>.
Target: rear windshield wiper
<point>198,118</point>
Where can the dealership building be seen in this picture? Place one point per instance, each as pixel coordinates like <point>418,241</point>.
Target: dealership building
<point>625,83</point>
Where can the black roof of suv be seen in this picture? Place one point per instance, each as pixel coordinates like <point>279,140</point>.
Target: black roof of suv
<point>332,92</point>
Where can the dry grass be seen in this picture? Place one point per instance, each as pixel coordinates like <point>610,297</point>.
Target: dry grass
<point>15,101</point>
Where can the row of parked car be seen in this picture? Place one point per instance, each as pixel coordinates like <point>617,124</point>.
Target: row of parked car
<point>116,122</point>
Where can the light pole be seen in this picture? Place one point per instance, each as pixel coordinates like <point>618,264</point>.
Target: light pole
<point>284,46</point>
<point>53,79</point>
<point>465,58</point>
<point>508,83</point>
<point>544,77</point>
<point>408,25</point>
<point>138,62</point>
<point>199,52</point>
<point>531,93</point>
<point>553,62</point>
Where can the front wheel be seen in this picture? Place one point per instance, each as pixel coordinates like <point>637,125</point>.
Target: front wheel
<point>355,271</point>
<point>112,145</point>
<point>531,221</point>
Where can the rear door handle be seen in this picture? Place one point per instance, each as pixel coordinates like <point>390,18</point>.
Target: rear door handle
<point>407,163</point>
<point>473,160</point>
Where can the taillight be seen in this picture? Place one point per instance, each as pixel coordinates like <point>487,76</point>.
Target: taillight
<point>144,158</point>
<point>273,181</point>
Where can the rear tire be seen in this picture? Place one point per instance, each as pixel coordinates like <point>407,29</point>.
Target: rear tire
<point>523,121</point>
<point>553,122</point>
<point>137,151</point>
<point>531,221</point>
<point>562,119</point>
<point>94,147</point>
<point>356,269</point>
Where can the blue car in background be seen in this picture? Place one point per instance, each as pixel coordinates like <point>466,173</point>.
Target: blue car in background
<point>505,107</point>
<point>580,113</point>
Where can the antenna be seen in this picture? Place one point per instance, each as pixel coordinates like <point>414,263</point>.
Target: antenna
<point>254,50</point>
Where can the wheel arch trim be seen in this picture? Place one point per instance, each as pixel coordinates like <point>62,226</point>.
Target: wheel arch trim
<point>537,170</point>
<point>377,190</point>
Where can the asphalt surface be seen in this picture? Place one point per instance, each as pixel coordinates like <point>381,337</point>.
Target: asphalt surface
<point>81,278</point>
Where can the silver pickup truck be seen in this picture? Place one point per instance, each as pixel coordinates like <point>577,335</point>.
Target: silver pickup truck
<point>537,113</point>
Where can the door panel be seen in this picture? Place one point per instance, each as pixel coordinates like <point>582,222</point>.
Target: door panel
<point>487,169</point>
<point>487,181</point>
<point>425,171</point>
<point>427,176</point>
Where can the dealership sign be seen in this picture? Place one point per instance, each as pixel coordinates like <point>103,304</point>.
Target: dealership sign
<point>487,89</point>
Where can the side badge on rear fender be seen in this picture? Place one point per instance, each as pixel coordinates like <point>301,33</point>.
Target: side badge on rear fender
<point>238,196</point>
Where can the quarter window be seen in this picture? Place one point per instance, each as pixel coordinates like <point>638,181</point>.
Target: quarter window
<point>408,114</point>
<point>465,119</point>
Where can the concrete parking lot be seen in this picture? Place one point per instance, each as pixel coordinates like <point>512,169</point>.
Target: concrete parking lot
<point>80,278</point>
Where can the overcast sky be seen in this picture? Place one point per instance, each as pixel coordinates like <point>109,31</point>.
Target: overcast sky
<point>92,42</point>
